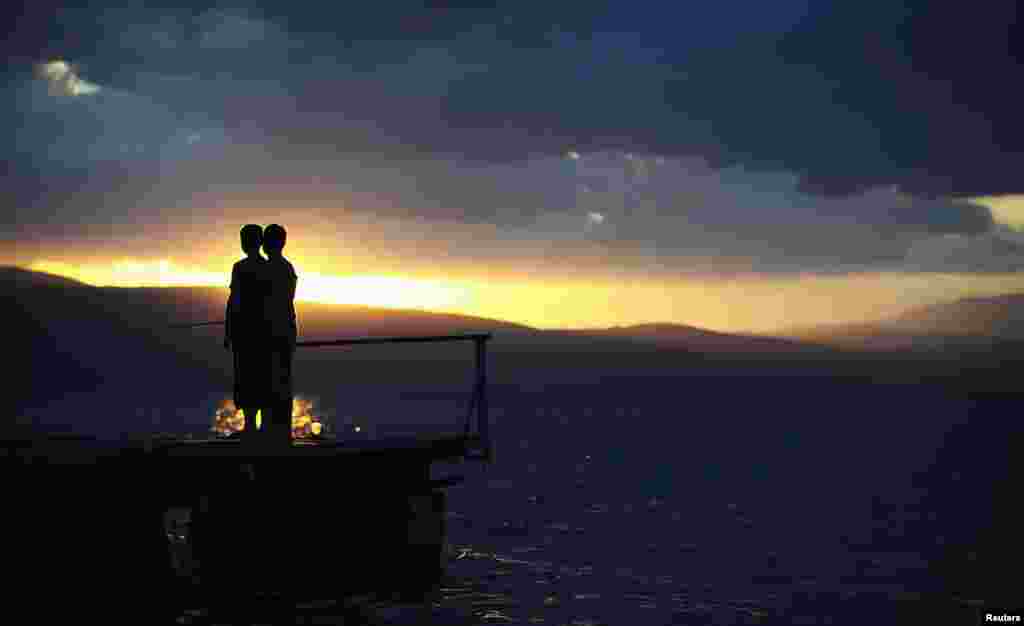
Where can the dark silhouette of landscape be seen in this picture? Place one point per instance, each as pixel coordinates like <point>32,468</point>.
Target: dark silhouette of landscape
<point>963,323</point>
<point>871,461</point>
<point>75,338</point>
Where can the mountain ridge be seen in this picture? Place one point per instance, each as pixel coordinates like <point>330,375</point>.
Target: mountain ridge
<point>965,321</point>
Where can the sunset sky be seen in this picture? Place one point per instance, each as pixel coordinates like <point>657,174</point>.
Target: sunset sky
<point>740,166</point>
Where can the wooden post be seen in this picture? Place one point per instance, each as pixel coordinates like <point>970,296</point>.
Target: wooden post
<point>484,422</point>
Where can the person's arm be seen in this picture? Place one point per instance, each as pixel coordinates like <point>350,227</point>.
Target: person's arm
<point>292,286</point>
<point>291,300</point>
<point>229,308</point>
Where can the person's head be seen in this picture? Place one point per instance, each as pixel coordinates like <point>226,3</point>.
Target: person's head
<point>252,238</point>
<point>274,237</point>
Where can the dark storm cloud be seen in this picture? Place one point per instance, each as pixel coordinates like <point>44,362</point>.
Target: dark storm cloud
<point>783,127</point>
<point>848,95</point>
<point>735,219</point>
<point>937,81</point>
<point>995,252</point>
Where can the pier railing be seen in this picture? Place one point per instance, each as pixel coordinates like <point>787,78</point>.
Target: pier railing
<point>478,397</point>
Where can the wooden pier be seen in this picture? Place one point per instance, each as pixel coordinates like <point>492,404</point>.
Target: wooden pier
<point>150,526</point>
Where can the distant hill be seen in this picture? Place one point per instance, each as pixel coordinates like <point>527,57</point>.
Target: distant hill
<point>965,322</point>
<point>64,340</point>
<point>699,339</point>
<point>152,312</point>
<point>115,350</point>
<point>164,306</point>
<point>999,317</point>
<point>10,275</point>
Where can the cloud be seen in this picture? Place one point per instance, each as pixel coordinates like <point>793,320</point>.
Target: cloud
<point>680,213</point>
<point>175,40</point>
<point>147,30</point>
<point>800,146</point>
<point>236,30</point>
<point>1007,210</point>
<point>64,80</point>
<point>684,217</point>
<point>1000,251</point>
<point>86,126</point>
<point>848,98</point>
<point>686,213</point>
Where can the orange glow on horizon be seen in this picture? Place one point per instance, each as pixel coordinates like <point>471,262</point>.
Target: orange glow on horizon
<point>746,304</point>
<point>133,273</point>
<point>368,290</point>
<point>384,291</point>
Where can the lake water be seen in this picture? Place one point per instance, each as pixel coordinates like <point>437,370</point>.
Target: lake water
<point>757,503</point>
<point>653,501</point>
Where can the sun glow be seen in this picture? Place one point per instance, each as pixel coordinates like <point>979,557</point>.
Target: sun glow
<point>372,290</point>
<point>384,291</point>
<point>134,273</point>
<point>744,304</point>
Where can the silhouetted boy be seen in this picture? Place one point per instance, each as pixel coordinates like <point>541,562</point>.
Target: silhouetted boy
<point>245,329</point>
<point>282,332</point>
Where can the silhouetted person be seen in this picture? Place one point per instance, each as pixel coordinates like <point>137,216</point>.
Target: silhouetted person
<point>282,333</point>
<point>245,328</point>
